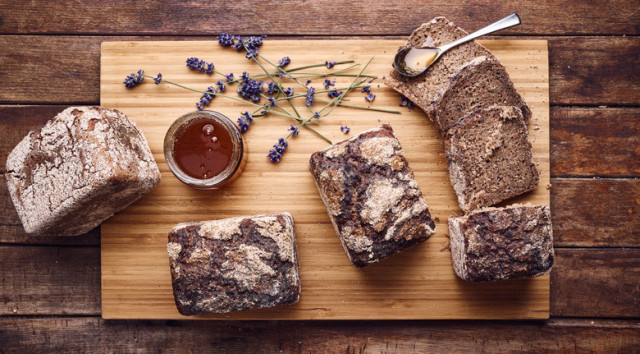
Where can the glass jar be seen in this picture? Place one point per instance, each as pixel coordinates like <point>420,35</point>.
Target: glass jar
<point>204,149</point>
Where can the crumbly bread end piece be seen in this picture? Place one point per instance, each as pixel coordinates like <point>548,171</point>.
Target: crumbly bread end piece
<point>81,167</point>
<point>371,195</point>
<point>481,83</point>
<point>490,158</point>
<point>425,89</point>
<point>234,264</point>
<point>502,243</point>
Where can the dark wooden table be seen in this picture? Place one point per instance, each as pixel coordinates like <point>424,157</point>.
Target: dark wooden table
<point>50,287</point>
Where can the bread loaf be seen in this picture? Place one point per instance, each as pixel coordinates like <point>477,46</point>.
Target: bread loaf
<point>81,167</point>
<point>464,79</point>
<point>502,243</point>
<point>371,195</point>
<point>234,264</point>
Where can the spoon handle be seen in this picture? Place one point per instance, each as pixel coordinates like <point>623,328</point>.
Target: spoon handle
<point>509,21</point>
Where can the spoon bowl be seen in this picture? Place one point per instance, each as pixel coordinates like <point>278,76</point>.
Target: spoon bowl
<point>413,61</point>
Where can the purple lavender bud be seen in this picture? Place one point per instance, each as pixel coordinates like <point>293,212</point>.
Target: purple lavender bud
<point>310,97</point>
<point>370,98</point>
<point>329,64</point>
<point>225,39</point>
<point>284,62</point>
<point>294,130</point>
<point>366,90</point>
<point>345,129</point>
<point>229,77</point>
<point>134,79</point>
<point>158,79</point>
<point>328,83</point>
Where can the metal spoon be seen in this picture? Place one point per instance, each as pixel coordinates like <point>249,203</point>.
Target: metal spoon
<point>413,61</point>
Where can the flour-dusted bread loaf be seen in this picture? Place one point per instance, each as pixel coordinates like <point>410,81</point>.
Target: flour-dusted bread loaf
<point>371,195</point>
<point>490,158</point>
<point>502,243</point>
<point>466,78</point>
<point>234,264</point>
<point>81,167</point>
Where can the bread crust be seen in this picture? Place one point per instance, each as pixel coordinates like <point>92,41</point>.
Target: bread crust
<point>502,243</point>
<point>371,195</point>
<point>81,167</point>
<point>234,264</point>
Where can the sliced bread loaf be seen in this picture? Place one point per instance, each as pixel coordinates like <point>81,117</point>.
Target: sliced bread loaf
<point>490,158</point>
<point>502,243</point>
<point>464,79</point>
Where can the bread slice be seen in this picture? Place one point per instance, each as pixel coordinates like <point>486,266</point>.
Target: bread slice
<point>234,264</point>
<point>502,243</point>
<point>371,195</point>
<point>81,167</point>
<point>464,79</point>
<point>480,83</point>
<point>490,157</point>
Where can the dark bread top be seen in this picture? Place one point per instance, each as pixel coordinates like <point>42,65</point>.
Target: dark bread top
<point>371,195</point>
<point>506,243</point>
<point>234,264</point>
<point>490,157</point>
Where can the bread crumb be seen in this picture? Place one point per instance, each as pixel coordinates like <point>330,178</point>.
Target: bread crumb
<point>548,186</point>
<point>446,246</point>
<point>436,219</point>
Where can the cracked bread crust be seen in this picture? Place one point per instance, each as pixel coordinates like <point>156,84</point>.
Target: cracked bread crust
<point>502,243</point>
<point>371,195</point>
<point>490,158</point>
<point>81,167</point>
<point>425,89</point>
<point>234,264</point>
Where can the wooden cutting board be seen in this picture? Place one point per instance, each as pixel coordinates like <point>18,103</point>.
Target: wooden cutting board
<point>419,283</point>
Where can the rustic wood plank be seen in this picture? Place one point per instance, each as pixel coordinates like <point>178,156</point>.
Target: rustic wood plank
<point>595,71</point>
<point>583,71</point>
<point>15,123</point>
<point>596,212</point>
<point>49,280</point>
<point>66,280</point>
<point>596,283</point>
<point>321,17</point>
<point>595,142</point>
<point>96,335</point>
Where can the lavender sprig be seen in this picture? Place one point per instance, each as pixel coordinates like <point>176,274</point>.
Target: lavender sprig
<point>284,62</point>
<point>276,153</point>
<point>310,96</point>
<point>294,130</point>
<point>134,79</point>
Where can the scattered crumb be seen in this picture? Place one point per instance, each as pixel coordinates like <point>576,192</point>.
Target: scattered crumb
<point>548,186</point>
<point>536,127</point>
<point>446,246</point>
<point>436,219</point>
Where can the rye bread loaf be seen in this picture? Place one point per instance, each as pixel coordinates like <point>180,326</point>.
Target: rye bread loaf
<point>502,243</point>
<point>81,167</point>
<point>462,80</point>
<point>490,158</point>
<point>371,195</point>
<point>234,264</point>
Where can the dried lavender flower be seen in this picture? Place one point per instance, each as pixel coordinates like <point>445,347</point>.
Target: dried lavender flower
<point>310,97</point>
<point>345,129</point>
<point>194,63</point>
<point>308,82</point>
<point>328,83</point>
<point>158,79</point>
<point>366,90</point>
<point>229,77</point>
<point>294,130</point>
<point>275,154</point>
<point>288,92</point>
<point>206,98</point>
<point>226,39</point>
<point>272,101</point>
<point>284,62</point>
<point>316,115</point>
<point>330,64</point>
<point>134,79</point>
<point>221,86</point>
<point>406,103</point>
<point>250,89</point>
<point>370,98</point>
<point>334,94</point>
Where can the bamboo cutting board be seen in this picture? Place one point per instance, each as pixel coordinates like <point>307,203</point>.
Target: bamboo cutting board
<point>419,283</point>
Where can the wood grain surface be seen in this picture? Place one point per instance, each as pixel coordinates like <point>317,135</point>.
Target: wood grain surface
<point>50,58</point>
<point>418,284</point>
